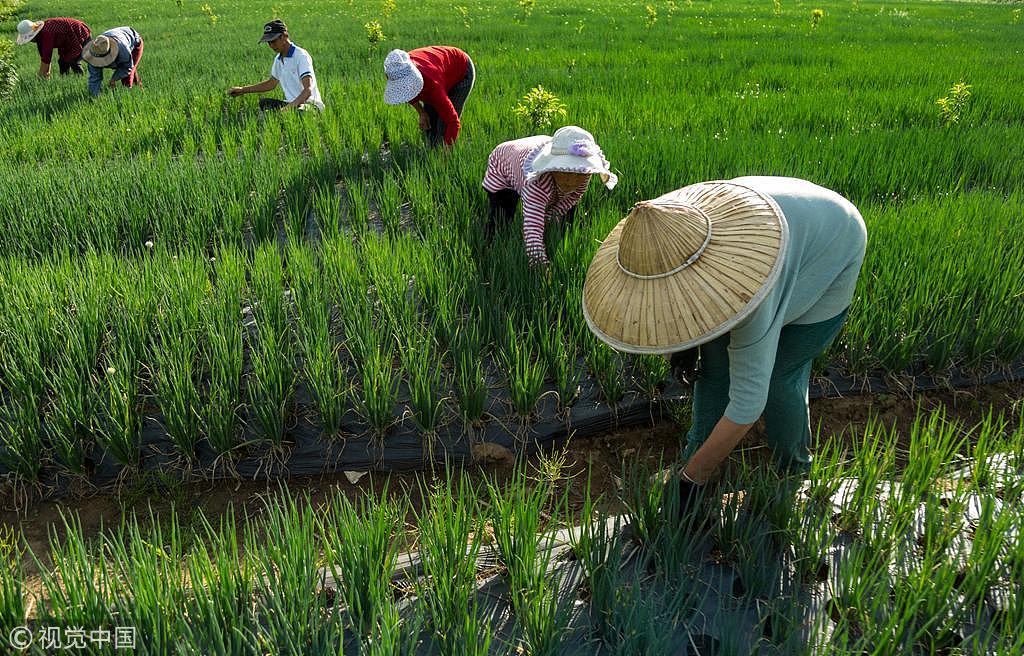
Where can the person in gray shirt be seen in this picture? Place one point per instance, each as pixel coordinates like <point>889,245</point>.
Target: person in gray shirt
<point>759,273</point>
<point>119,49</point>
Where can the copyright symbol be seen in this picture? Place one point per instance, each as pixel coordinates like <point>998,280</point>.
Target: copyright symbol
<point>20,637</point>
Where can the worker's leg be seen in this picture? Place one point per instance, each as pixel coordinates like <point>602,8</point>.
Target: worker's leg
<point>502,207</point>
<point>271,104</point>
<point>435,135</point>
<point>458,93</point>
<point>710,393</point>
<point>133,77</point>
<point>786,414</point>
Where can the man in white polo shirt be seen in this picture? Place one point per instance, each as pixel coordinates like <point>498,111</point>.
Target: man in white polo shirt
<point>292,70</point>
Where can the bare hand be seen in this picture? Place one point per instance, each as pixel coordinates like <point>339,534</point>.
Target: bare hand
<point>424,122</point>
<point>112,83</point>
<point>235,91</point>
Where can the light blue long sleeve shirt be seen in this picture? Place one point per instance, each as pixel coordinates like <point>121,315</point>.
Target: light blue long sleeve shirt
<point>127,40</point>
<point>827,239</point>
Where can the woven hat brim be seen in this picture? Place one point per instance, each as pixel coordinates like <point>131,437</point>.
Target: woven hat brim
<point>403,89</point>
<point>105,60</point>
<point>24,39</point>
<point>739,266</point>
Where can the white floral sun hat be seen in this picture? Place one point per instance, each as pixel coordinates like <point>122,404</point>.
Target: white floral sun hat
<point>572,150</point>
<point>27,30</point>
<point>404,80</point>
<point>101,51</point>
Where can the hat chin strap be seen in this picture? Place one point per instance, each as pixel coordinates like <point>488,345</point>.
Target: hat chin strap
<point>690,260</point>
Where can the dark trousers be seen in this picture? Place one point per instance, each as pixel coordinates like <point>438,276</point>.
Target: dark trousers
<point>74,66</point>
<point>502,207</point>
<point>457,94</point>
<point>271,104</point>
<point>787,421</point>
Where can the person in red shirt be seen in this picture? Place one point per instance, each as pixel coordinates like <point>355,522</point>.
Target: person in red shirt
<point>67,35</point>
<point>435,80</point>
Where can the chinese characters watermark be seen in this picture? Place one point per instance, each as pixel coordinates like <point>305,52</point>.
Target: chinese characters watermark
<point>59,638</point>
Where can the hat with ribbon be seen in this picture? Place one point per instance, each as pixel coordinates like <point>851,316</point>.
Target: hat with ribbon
<point>27,30</point>
<point>571,150</point>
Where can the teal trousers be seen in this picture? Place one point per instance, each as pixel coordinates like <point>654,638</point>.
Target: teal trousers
<point>786,415</point>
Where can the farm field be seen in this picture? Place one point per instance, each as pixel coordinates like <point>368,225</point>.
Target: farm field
<point>193,290</point>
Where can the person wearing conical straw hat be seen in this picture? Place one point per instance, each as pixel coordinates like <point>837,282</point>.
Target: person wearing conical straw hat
<point>65,35</point>
<point>436,81</point>
<point>119,49</point>
<point>758,274</point>
<point>549,175</point>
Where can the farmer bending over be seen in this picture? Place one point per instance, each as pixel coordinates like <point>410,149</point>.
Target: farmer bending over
<point>292,69</point>
<point>435,80</point>
<point>119,49</point>
<point>549,174</point>
<point>759,272</point>
<point>67,35</point>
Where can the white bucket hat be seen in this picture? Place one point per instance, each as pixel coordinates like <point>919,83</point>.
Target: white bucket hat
<point>404,80</point>
<point>101,51</point>
<point>27,30</point>
<point>572,150</point>
<point>685,268</point>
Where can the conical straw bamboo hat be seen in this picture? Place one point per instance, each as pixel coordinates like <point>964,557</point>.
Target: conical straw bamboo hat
<point>684,268</point>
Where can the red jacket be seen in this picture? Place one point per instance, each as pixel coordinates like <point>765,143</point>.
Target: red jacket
<point>64,34</point>
<point>442,68</point>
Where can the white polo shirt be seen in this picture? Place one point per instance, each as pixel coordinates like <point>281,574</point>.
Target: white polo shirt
<point>289,69</point>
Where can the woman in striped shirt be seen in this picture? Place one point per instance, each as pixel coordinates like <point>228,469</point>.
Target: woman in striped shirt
<point>549,174</point>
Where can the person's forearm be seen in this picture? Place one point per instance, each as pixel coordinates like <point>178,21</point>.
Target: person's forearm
<point>261,87</point>
<point>723,439</point>
<point>300,99</point>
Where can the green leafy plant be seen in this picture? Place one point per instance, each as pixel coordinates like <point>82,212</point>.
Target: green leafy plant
<point>650,16</point>
<point>374,33</point>
<point>539,107</point>
<point>8,71</point>
<point>212,17</point>
<point>953,105</point>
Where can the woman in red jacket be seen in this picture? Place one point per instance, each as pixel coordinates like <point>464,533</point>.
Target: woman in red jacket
<point>65,35</point>
<point>435,80</point>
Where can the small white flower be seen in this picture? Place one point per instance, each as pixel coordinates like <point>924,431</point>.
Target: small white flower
<point>111,371</point>
<point>149,243</point>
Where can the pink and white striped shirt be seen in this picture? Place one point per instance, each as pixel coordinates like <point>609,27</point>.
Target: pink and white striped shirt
<point>507,168</point>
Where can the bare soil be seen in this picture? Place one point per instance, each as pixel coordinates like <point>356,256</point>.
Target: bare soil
<point>603,456</point>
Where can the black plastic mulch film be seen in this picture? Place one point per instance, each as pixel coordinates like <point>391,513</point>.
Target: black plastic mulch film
<point>307,451</point>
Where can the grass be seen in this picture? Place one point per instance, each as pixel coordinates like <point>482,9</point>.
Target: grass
<point>297,575</point>
<point>118,308</point>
